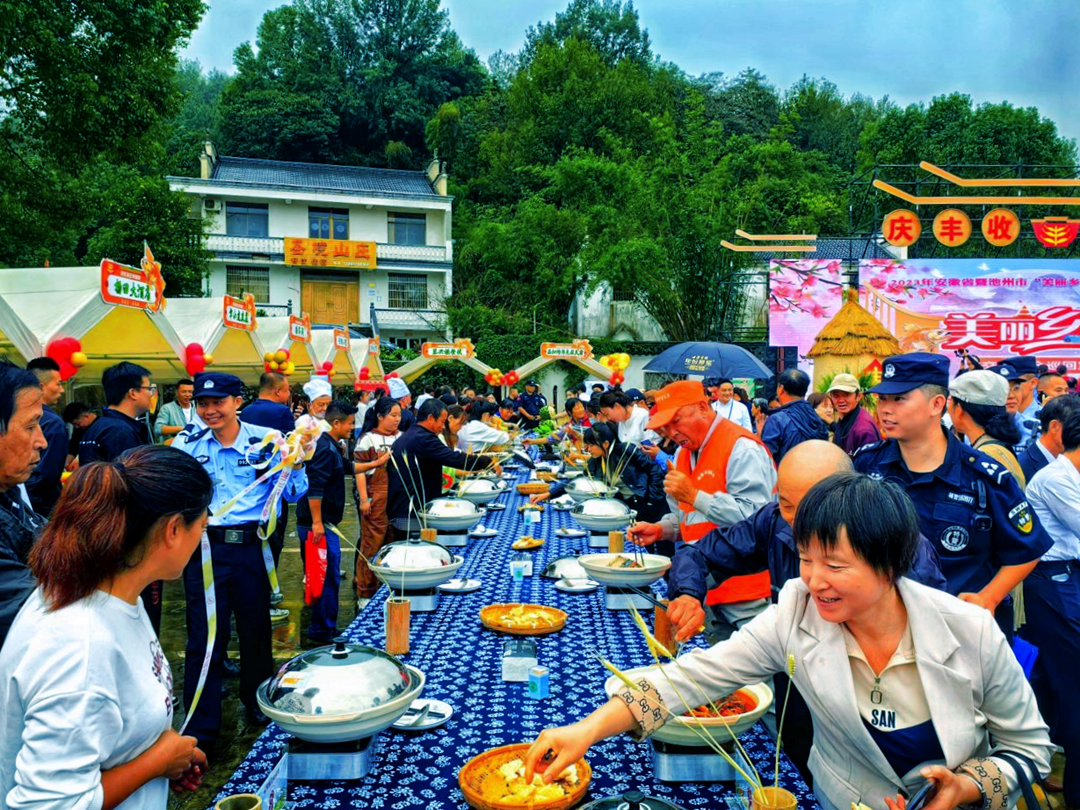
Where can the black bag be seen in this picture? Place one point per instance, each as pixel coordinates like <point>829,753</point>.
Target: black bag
<point>1023,766</point>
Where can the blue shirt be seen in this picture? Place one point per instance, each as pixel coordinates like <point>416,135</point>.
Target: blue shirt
<point>970,508</point>
<point>532,403</point>
<point>1028,423</point>
<point>231,472</point>
<point>269,414</point>
<point>1054,493</point>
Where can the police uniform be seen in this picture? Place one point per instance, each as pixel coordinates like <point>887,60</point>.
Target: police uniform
<point>532,403</point>
<point>970,508</point>
<point>1013,369</point>
<point>241,584</point>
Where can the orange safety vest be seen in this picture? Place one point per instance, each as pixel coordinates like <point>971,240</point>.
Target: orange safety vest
<point>710,476</point>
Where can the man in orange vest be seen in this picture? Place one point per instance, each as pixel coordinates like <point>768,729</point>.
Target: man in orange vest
<point>722,474</point>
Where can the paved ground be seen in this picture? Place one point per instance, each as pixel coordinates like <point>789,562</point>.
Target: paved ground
<point>289,639</point>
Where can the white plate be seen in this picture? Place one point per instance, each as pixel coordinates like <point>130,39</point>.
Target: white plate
<point>576,585</point>
<point>444,712</point>
<point>570,532</point>
<point>460,586</point>
<point>483,531</point>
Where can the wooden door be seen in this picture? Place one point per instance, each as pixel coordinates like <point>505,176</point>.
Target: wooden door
<point>330,299</point>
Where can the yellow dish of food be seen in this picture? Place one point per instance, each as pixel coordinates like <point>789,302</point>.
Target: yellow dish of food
<point>522,619</point>
<point>495,780</point>
<point>527,544</point>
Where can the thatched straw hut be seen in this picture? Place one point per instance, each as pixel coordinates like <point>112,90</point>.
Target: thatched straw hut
<point>850,342</point>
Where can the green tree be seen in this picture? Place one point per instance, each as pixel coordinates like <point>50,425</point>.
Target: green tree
<point>609,27</point>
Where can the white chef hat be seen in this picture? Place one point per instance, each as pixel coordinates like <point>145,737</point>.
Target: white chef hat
<point>318,387</point>
<point>398,387</point>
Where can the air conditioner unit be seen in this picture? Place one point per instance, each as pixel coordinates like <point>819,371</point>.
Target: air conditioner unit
<point>210,204</point>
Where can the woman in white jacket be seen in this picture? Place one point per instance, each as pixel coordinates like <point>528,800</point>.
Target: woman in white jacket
<point>905,683</point>
<point>477,435</point>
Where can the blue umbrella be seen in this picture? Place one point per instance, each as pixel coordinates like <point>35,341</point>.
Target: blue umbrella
<point>710,360</point>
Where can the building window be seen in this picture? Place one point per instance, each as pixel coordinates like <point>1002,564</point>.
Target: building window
<point>623,295</point>
<point>328,223</point>
<point>243,279</point>
<point>408,229</point>
<point>247,219</point>
<point>408,291</point>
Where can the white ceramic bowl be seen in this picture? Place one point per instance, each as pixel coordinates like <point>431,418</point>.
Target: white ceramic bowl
<point>417,579</point>
<point>656,565</point>
<point>677,730</point>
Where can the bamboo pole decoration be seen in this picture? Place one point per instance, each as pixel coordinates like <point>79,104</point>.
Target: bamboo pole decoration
<point>662,628</point>
<point>240,801</point>
<point>615,542</point>
<point>397,625</point>
<point>429,535</point>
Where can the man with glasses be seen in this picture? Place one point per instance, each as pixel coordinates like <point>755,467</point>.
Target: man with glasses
<point>1022,374</point>
<point>129,396</point>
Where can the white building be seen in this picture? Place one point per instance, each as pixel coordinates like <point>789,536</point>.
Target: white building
<point>300,237</point>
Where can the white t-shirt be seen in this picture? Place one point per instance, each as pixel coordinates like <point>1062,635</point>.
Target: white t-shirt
<point>82,690</point>
<point>633,430</point>
<point>736,412</point>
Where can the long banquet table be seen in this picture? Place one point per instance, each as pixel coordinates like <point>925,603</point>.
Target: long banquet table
<point>462,661</point>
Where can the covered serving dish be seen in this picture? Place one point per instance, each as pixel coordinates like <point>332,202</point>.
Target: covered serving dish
<point>603,514</point>
<point>339,693</point>
<point>414,565</point>
<point>482,490</point>
<point>451,514</point>
<point>583,488</point>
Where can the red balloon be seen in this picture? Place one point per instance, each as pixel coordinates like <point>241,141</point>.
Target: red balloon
<point>328,366</point>
<point>67,371</point>
<point>194,349</point>
<point>365,373</point>
<point>196,364</point>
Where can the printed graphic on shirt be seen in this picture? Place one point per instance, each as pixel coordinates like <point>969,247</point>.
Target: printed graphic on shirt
<point>162,671</point>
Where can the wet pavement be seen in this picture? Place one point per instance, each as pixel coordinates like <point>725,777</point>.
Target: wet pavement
<point>237,734</point>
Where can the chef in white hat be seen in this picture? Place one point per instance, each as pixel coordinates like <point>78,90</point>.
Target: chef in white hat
<point>319,394</point>
<point>399,390</point>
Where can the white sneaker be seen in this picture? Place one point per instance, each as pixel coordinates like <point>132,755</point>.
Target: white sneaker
<point>278,615</point>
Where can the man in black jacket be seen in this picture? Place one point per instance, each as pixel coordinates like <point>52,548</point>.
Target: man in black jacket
<point>1049,445</point>
<point>415,468</point>
<point>44,485</point>
<point>796,421</point>
<point>21,444</point>
<point>129,396</point>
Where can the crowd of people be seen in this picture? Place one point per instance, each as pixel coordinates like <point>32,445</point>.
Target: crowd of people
<point>895,539</point>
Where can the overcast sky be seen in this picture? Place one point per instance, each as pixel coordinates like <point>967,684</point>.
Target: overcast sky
<point>1021,51</point>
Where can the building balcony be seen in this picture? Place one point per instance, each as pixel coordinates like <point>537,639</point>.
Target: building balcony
<point>273,247</point>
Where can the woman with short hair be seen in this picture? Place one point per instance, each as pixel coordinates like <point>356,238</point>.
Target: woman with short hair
<point>905,683</point>
<point>85,688</point>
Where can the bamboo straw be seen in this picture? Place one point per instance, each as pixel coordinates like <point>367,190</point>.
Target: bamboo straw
<point>615,542</point>
<point>662,628</point>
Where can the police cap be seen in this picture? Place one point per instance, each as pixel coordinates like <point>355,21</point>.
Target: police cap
<point>906,372</point>
<point>1014,368</point>
<point>216,384</point>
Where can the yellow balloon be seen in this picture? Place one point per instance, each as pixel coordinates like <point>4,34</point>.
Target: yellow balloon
<point>78,359</point>
<point>209,358</point>
<point>273,365</point>
<point>268,357</point>
<point>289,367</point>
<point>281,356</point>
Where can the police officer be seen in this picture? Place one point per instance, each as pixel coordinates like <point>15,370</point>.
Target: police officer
<point>987,536</point>
<point>529,405</point>
<point>1023,402</point>
<point>225,450</point>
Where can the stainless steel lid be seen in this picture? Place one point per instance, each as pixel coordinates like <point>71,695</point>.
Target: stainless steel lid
<point>481,486</point>
<point>582,485</point>
<point>342,679</point>
<point>568,567</point>
<point>451,507</point>
<point>631,800</point>
<point>413,555</point>
<point>603,507</point>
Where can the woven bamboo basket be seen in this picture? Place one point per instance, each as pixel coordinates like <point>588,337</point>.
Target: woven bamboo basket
<point>474,776</point>
<point>532,488</point>
<point>547,476</point>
